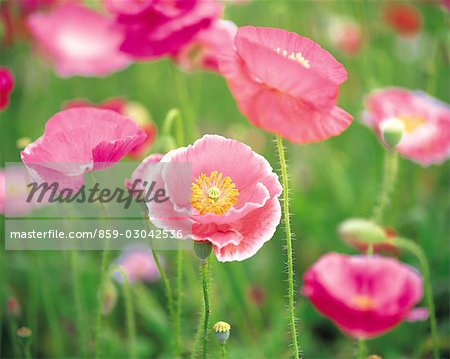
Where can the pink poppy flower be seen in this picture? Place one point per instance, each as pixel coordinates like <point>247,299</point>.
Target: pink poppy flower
<point>6,86</point>
<point>130,7</point>
<point>346,36</point>
<point>141,172</point>
<point>426,122</point>
<point>365,296</point>
<point>162,28</point>
<point>203,50</point>
<point>79,40</point>
<point>233,206</point>
<point>134,111</point>
<point>80,140</point>
<point>139,266</point>
<point>286,84</point>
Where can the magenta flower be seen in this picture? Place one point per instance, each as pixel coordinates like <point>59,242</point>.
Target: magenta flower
<point>233,206</point>
<point>139,266</point>
<point>163,27</point>
<point>80,140</point>
<point>79,41</point>
<point>286,84</point>
<point>203,50</point>
<point>365,296</point>
<point>6,86</point>
<point>425,121</point>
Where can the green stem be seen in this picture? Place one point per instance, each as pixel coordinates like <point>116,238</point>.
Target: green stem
<point>27,352</point>
<point>362,349</point>
<point>81,332</point>
<point>389,177</point>
<point>174,116</point>
<point>131,325</point>
<point>290,255</point>
<point>223,351</point>
<point>418,252</point>
<point>178,308</point>
<point>206,305</point>
<point>103,278</point>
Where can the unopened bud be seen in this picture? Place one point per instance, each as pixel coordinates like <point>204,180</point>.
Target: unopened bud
<point>109,298</point>
<point>24,336</point>
<point>202,249</point>
<point>392,131</point>
<point>222,330</point>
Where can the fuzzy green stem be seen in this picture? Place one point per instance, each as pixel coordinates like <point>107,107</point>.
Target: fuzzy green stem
<point>129,309</point>
<point>420,255</point>
<point>223,351</point>
<point>290,255</point>
<point>26,352</point>
<point>103,277</point>
<point>178,307</point>
<point>174,116</point>
<point>81,332</point>
<point>362,349</point>
<point>206,305</point>
<point>389,177</point>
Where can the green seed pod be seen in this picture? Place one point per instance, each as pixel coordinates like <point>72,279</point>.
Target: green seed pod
<point>222,331</point>
<point>392,131</point>
<point>24,335</point>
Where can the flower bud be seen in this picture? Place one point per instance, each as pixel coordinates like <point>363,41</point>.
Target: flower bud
<point>109,298</point>
<point>24,336</point>
<point>359,233</point>
<point>222,330</point>
<point>202,249</point>
<point>392,131</point>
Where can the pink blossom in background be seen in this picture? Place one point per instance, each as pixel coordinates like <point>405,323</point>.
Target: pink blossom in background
<point>80,140</point>
<point>163,27</point>
<point>365,296</point>
<point>6,86</point>
<point>346,36</point>
<point>79,40</point>
<point>202,52</point>
<point>232,206</point>
<point>134,111</point>
<point>139,266</point>
<point>286,84</point>
<point>405,19</point>
<point>426,120</point>
<point>14,191</point>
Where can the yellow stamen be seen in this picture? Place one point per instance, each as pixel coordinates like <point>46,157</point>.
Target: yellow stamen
<point>214,193</point>
<point>412,122</point>
<point>296,56</point>
<point>364,302</point>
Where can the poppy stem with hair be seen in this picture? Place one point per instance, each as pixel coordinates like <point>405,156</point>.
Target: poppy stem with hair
<point>290,260</point>
<point>103,277</point>
<point>389,177</point>
<point>420,255</point>
<point>362,349</point>
<point>206,305</point>
<point>129,310</point>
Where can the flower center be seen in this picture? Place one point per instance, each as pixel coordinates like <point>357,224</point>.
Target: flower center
<point>296,56</point>
<point>412,122</point>
<point>214,193</point>
<point>364,302</point>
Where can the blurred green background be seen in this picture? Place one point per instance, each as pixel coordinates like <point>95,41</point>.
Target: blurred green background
<point>331,181</point>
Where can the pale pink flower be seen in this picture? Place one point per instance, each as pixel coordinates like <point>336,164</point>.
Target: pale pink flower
<point>141,172</point>
<point>286,84</point>
<point>139,265</point>
<point>80,140</point>
<point>229,198</point>
<point>161,28</point>
<point>14,192</point>
<point>345,35</point>
<point>365,296</point>
<point>426,120</point>
<point>203,50</point>
<point>79,40</point>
